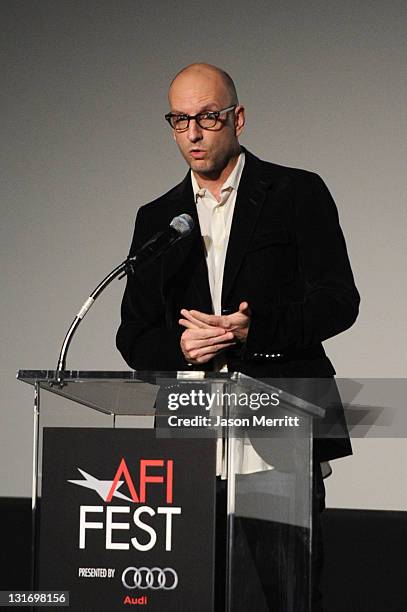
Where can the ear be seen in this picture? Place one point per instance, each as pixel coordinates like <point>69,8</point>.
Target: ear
<point>240,119</point>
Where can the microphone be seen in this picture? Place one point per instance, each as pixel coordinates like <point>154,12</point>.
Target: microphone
<point>180,227</point>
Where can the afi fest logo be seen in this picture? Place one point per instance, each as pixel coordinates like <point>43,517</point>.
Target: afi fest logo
<point>115,519</point>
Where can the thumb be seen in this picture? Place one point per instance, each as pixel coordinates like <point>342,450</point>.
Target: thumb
<point>244,308</point>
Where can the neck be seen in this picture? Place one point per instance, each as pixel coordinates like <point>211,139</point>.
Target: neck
<point>214,183</point>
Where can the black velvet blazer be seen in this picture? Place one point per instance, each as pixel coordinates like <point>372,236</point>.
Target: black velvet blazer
<point>286,257</point>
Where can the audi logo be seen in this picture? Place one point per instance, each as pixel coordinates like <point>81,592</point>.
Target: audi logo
<point>146,578</point>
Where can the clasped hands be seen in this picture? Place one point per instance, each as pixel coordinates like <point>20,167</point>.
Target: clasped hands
<point>206,335</point>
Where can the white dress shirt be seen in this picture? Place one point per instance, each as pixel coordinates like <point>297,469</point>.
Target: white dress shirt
<point>215,220</point>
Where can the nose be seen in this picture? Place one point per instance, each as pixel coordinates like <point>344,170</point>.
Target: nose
<point>194,131</point>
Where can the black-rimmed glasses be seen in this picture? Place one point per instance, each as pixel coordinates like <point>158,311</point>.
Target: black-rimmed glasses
<point>206,120</point>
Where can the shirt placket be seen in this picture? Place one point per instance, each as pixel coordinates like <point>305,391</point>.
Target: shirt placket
<point>218,233</point>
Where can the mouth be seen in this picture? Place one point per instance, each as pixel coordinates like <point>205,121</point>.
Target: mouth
<point>197,153</point>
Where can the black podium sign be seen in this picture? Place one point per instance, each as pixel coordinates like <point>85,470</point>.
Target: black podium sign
<point>127,520</point>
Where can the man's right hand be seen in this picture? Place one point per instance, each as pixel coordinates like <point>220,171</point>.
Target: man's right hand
<point>200,345</point>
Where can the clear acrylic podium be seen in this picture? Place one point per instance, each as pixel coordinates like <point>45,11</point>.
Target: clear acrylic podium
<point>261,464</point>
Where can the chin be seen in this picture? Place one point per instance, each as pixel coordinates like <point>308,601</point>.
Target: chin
<point>202,166</point>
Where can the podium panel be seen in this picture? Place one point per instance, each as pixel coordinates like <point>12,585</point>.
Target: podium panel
<point>124,508</point>
<point>176,491</point>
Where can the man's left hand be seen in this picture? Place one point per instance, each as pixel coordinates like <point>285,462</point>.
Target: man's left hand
<point>238,322</point>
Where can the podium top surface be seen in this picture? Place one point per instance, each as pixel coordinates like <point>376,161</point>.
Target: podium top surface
<point>134,392</point>
<point>33,376</point>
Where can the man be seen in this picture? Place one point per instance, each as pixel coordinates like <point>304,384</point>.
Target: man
<point>262,280</point>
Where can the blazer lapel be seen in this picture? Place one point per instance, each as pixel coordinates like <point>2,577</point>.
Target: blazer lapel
<point>251,194</point>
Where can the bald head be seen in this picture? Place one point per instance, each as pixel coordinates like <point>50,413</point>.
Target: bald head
<point>201,92</point>
<point>206,73</point>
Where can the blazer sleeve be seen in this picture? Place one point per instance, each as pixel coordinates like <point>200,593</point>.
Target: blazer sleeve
<point>330,300</point>
<point>143,338</point>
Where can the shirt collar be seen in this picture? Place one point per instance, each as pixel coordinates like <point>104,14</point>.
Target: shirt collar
<point>232,182</point>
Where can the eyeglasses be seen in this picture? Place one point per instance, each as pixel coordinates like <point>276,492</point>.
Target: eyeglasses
<point>206,120</point>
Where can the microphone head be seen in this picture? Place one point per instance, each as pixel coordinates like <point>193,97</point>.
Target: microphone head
<point>183,224</point>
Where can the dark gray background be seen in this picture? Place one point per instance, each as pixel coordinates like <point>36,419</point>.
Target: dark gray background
<point>84,143</point>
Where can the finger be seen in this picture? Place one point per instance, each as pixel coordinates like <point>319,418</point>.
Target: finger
<point>207,329</point>
<point>194,333</point>
<point>188,344</point>
<point>197,322</point>
<point>200,352</point>
<point>208,319</point>
<point>188,324</point>
<point>206,358</point>
<point>203,359</point>
<point>191,344</point>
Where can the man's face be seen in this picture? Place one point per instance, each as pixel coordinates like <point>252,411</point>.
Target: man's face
<point>207,152</point>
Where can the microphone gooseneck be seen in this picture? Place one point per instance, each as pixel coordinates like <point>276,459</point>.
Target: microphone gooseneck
<point>179,228</point>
